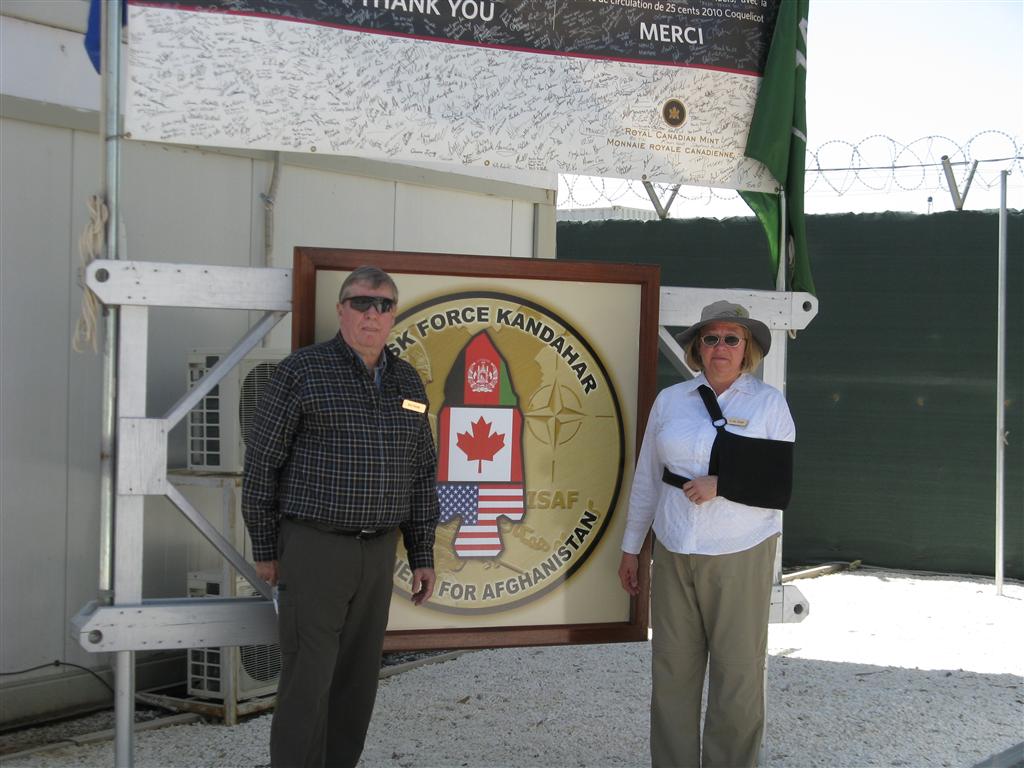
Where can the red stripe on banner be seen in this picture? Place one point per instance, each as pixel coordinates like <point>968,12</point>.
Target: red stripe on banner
<point>442,444</point>
<point>517,447</point>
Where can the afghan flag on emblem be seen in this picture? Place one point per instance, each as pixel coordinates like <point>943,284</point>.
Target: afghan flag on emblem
<point>480,449</point>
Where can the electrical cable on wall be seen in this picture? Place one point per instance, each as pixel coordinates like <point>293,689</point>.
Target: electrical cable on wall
<point>58,663</point>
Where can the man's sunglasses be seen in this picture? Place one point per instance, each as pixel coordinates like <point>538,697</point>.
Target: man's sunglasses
<point>711,340</point>
<point>363,303</point>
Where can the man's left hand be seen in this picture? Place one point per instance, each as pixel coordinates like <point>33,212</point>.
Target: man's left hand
<point>422,585</point>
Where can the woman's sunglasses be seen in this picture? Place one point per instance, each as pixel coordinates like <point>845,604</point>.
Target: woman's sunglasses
<point>363,303</point>
<point>711,340</point>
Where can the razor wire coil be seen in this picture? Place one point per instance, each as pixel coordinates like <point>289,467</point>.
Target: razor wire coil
<point>876,164</point>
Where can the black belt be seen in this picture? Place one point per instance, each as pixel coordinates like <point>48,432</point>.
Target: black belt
<point>355,533</point>
<point>673,479</point>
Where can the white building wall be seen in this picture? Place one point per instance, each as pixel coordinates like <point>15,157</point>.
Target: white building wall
<point>34,387</point>
<point>178,205</point>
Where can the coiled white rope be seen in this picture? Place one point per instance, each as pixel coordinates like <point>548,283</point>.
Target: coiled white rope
<point>90,247</point>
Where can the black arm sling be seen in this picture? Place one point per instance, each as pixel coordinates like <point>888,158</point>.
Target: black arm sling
<point>753,471</point>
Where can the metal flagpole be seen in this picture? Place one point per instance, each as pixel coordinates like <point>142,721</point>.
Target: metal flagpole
<point>780,277</point>
<point>110,161</point>
<point>1001,381</point>
<point>779,350</point>
<point>124,664</point>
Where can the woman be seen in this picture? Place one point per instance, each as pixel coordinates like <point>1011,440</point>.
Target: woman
<point>713,558</point>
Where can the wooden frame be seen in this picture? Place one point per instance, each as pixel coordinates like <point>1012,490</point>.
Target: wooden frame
<point>309,261</point>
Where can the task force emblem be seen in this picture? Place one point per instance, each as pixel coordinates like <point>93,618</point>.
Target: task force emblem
<point>530,446</point>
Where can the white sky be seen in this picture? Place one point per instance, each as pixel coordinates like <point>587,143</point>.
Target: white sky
<point>902,69</point>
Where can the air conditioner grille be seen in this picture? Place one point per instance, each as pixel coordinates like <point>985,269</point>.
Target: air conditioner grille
<point>248,397</point>
<point>261,662</point>
<point>257,667</point>
<point>204,421</point>
<point>218,426</point>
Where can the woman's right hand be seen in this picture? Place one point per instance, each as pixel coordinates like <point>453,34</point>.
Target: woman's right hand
<point>628,568</point>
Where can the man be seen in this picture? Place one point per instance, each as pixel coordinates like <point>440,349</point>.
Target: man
<point>340,456</point>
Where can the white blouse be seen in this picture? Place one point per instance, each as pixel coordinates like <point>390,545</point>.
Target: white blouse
<point>679,436</point>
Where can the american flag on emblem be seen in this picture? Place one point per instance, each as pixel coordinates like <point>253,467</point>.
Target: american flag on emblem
<point>479,506</point>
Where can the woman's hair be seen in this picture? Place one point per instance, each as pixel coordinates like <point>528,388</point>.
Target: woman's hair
<point>752,354</point>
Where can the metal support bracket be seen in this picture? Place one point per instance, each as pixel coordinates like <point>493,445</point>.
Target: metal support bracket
<point>662,209</point>
<point>142,456</point>
<point>789,605</point>
<point>206,622</point>
<point>157,284</point>
<point>779,310</point>
<point>954,191</point>
<point>142,451</point>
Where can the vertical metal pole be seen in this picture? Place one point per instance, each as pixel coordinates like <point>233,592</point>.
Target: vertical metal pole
<point>110,156</point>
<point>230,657</point>
<point>1001,381</point>
<point>779,344</point>
<point>124,716</point>
<point>780,276</point>
<point>112,119</point>
<point>124,665</point>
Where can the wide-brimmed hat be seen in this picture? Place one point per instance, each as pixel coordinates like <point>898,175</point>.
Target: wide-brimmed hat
<point>728,312</point>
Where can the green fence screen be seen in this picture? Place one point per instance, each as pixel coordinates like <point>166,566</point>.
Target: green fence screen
<point>892,386</point>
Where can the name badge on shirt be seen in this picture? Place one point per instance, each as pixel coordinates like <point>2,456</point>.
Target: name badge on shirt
<point>412,405</point>
<point>737,422</point>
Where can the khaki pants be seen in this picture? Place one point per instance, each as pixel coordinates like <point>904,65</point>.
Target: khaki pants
<point>334,595</point>
<point>709,608</point>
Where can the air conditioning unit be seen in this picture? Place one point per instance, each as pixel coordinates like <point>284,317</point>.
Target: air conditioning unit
<point>219,425</point>
<point>255,668</point>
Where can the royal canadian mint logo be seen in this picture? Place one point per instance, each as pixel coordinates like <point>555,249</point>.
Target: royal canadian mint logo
<point>673,112</point>
<point>530,446</point>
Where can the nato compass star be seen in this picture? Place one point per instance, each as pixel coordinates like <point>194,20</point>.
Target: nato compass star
<point>554,416</point>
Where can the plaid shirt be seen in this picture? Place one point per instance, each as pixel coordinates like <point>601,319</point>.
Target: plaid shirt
<point>327,444</point>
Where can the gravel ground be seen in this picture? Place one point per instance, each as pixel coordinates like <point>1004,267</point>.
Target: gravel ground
<point>889,669</point>
<point>30,737</point>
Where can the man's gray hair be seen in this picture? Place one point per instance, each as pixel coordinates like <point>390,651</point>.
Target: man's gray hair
<point>372,276</point>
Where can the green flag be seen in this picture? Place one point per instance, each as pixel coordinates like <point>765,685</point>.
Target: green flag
<point>778,138</point>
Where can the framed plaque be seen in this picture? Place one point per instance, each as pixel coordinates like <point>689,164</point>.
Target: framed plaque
<point>539,376</point>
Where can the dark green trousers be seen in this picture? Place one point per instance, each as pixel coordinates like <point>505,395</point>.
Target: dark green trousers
<point>709,613</point>
<point>334,596</point>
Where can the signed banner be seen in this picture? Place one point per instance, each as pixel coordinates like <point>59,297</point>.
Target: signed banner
<point>536,384</point>
<point>661,91</point>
